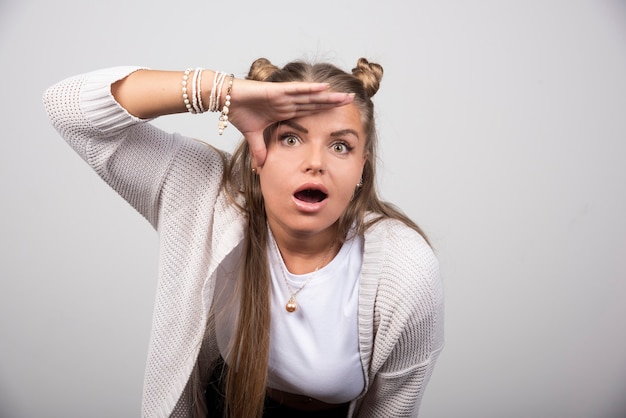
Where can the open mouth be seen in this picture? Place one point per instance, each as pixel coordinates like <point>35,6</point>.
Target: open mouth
<point>310,195</point>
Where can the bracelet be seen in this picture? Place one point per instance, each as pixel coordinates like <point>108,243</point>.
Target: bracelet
<point>216,93</point>
<point>201,108</point>
<point>193,102</point>
<point>194,92</point>
<point>212,95</point>
<point>185,95</point>
<point>223,120</point>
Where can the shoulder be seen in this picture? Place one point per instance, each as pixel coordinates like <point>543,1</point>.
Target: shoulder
<point>401,244</point>
<point>408,295</point>
<point>408,269</point>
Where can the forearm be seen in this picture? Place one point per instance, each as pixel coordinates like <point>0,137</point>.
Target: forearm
<point>151,93</point>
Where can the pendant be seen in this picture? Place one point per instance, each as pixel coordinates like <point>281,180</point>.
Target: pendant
<point>291,306</point>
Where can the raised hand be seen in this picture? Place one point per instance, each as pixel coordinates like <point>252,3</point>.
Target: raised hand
<point>257,105</point>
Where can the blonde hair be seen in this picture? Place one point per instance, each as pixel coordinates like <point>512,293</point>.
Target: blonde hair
<point>245,387</point>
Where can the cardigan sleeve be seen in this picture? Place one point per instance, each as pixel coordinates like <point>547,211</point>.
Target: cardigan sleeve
<point>132,156</point>
<point>408,327</point>
<point>175,183</point>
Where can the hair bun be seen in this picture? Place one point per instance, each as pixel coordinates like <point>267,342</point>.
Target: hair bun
<point>370,75</point>
<point>261,69</point>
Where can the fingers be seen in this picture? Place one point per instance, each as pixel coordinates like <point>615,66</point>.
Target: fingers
<point>326,99</point>
<point>304,92</point>
<point>306,104</point>
<point>301,87</point>
<point>309,107</point>
<point>316,107</point>
<point>332,98</point>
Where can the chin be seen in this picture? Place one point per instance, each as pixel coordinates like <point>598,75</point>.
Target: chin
<point>308,225</point>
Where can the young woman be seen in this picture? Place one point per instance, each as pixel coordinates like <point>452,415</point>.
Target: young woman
<point>286,286</point>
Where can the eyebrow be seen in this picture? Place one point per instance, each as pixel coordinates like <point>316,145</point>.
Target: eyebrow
<point>301,128</point>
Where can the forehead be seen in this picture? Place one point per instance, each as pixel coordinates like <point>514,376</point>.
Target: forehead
<point>334,119</point>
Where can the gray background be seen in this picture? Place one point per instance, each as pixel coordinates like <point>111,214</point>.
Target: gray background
<point>503,127</point>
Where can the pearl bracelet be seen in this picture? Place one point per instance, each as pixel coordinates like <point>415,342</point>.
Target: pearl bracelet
<point>223,120</point>
<point>194,91</point>
<point>216,92</point>
<point>201,108</point>
<point>193,102</point>
<point>185,95</point>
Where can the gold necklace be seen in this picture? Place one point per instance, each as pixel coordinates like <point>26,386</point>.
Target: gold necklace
<point>292,305</point>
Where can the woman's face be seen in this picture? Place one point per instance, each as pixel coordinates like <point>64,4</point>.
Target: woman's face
<point>313,166</point>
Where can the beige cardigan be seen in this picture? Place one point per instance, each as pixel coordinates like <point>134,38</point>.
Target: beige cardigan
<point>173,182</point>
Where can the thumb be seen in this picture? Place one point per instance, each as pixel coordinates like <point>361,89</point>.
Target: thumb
<point>258,152</point>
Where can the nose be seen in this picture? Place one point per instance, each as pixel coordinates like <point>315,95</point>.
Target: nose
<point>314,160</point>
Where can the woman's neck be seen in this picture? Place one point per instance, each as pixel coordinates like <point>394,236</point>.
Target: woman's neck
<point>304,253</point>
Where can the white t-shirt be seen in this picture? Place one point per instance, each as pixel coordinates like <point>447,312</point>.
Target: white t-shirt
<point>314,351</point>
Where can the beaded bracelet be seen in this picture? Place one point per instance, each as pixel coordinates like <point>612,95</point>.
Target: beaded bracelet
<point>185,95</point>
<point>223,120</point>
<point>217,90</point>
<point>194,103</point>
<point>213,89</point>
<point>201,108</point>
<point>194,91</point>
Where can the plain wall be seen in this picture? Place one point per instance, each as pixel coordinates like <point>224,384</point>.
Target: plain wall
<point>503,134</point>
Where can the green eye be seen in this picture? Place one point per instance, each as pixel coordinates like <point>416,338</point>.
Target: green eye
<point>290,140</point>
<point>341,148</point>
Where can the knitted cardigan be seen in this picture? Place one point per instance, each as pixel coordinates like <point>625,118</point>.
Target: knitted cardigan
<point>174,182</point>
